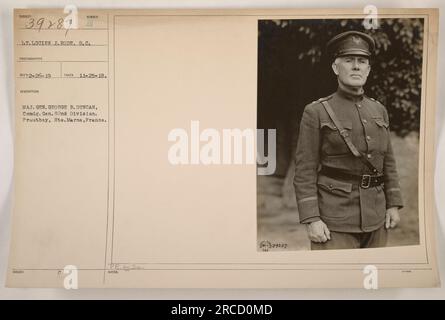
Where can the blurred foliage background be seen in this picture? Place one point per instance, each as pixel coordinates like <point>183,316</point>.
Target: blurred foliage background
<point>294,70</point>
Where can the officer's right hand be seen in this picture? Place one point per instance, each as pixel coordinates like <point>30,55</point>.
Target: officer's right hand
<point>318,231</point>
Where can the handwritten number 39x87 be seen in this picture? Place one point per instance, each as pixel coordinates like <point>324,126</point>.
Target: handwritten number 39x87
<point>44,23</point>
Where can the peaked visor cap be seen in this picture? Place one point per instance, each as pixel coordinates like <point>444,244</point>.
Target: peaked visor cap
<point>351,43</point>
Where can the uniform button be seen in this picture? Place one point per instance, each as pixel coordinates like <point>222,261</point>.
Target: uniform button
<point>359,105</point>
<point>369,156</point>
<point>368,138</point>
<point>365,121</point>
<point>331,186</point>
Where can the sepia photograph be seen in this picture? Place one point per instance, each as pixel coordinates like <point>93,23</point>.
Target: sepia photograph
<point>345,100</point>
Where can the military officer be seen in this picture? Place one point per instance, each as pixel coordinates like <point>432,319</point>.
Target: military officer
<point>347,201</point>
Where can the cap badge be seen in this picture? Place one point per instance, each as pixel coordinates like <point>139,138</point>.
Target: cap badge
<point>356,40</point>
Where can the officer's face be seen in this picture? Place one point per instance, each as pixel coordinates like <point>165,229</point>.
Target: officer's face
<point>352,70</point>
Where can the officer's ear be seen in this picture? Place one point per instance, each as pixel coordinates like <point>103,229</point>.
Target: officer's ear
<point>334,67</point>
<point>369,68</point>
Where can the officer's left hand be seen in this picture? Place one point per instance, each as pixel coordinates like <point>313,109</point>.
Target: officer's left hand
<point>392,217</point>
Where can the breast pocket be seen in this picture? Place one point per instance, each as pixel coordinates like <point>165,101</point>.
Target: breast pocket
<point>332,142</point>
<point>382,134</point>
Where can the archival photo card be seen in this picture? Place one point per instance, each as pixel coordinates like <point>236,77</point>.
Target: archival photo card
<point>270,148</point>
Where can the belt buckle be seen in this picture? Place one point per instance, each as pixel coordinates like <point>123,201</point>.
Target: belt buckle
<point>366,181</point>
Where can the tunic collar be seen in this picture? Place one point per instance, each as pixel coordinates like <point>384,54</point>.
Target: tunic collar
<point>352,94</point>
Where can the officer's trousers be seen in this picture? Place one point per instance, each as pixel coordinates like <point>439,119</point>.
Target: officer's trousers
<point>343,240</point>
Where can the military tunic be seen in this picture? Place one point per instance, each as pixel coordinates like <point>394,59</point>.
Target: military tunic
<point>343,205</point>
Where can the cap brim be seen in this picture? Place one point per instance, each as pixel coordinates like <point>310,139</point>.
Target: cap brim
<point>355,52</point>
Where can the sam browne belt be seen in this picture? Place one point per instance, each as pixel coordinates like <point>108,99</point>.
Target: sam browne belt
<point>347,140</point>
<point>364,181</point>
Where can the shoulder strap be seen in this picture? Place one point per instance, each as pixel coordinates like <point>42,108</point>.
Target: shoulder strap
<point>344,134</point>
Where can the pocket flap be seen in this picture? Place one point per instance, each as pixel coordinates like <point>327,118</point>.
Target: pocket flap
<point>347,124</point>
<point>381,123</point>
<point>333,184</point>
